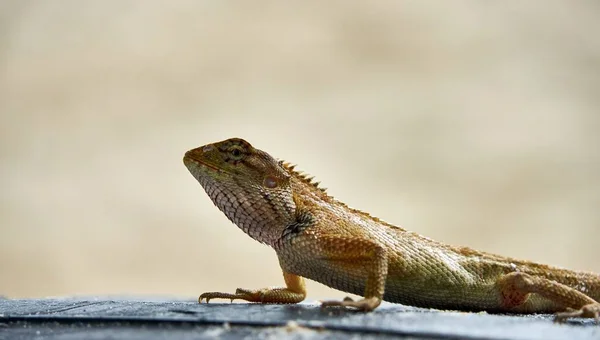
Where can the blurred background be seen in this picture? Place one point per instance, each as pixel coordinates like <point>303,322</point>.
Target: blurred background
<point>474,123</point>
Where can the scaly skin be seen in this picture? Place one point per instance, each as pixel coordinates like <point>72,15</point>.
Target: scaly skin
<point>320,238</point>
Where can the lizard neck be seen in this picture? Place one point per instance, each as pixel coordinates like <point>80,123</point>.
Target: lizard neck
<point>264,220</point>
<point>261,213</point>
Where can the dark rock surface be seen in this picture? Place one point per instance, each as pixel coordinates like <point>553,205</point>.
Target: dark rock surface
<point>107,318</point>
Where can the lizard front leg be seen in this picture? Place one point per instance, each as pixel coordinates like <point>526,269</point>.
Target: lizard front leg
<point>516,288</point>
<point>355,255</point>
<point>293,292</point>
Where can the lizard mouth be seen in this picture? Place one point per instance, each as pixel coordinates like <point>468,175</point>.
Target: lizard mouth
<point>209,166</point>
<point>187,160</point>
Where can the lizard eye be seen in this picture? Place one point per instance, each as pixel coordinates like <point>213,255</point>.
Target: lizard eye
<point>236,152</point>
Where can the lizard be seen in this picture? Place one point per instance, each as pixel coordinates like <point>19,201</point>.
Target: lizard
<point>317,237</point>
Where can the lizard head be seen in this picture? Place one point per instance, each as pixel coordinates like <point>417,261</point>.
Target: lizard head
<point>248,185</point>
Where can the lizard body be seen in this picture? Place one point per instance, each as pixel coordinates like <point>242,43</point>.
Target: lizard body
<point>318,237</point>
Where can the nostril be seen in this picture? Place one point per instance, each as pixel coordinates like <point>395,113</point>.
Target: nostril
<point>207,148</point>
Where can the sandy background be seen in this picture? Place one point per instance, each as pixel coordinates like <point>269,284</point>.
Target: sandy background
<point>474,123</point>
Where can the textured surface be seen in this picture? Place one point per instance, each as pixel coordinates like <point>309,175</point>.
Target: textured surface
<point>320,238</point>
<point>104,318</point>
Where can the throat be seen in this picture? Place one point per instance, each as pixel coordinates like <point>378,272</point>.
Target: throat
<point>261,214</point>
<point>262,226</point>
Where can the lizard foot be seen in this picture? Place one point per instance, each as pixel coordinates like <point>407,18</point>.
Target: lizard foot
<point>365,305</point>
<point>240,294</point>
<point>588,311</point>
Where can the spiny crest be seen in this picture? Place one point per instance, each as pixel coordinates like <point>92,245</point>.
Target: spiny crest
<point>305,178</point>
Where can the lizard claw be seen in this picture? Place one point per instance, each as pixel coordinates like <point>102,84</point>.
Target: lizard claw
<point>202,297</point>
<point>216,295</point>
<point>365,305</point>
<point>240,294</point>
<point>588,311</point>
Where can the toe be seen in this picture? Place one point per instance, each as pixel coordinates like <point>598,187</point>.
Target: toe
<point>365,305</point>
<point>587,311</point>
<point>564,316</point>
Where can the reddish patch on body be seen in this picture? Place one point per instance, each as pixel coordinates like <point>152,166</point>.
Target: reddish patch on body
<point>512,296</point>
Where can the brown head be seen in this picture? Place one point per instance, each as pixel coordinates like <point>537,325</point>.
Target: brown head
<point>248,185</point>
